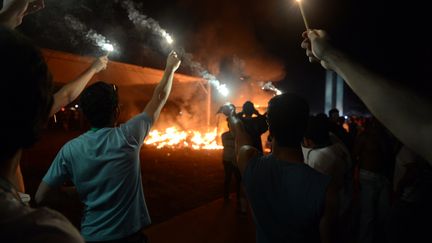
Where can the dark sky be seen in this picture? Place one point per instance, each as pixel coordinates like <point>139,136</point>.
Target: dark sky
<point>257,40</point>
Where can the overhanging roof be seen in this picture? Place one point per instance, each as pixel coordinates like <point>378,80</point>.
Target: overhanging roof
<point>66,67</point>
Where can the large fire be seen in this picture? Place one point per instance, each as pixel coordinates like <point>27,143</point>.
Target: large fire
<point>175,138</point>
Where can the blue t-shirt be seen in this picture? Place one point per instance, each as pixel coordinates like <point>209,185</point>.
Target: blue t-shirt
<point>287,200</point>
<point>104,165</point>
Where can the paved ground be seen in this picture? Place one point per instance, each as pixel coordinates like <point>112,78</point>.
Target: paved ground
<point>214,222</point>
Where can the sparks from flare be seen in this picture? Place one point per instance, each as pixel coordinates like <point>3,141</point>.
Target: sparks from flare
<point>303,14</point>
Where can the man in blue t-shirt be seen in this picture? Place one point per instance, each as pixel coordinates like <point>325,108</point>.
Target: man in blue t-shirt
<point>104,163</point>
<point>290,201</point>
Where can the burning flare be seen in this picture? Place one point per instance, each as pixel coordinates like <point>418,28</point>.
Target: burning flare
<point>270,87</point>
<point>106,47</point>
<point>174,138</point>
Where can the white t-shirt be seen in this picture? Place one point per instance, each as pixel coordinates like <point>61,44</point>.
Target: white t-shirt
<point>20,223</point>
<point>335,161</point>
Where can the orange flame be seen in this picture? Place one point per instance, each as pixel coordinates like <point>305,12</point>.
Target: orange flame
<point>175,138</point>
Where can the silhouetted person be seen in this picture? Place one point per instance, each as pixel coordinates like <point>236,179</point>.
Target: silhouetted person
<point>12,13</point>
<point>230,164</point>
<point>291,202</point>
<point>408,220</point>
<point>26,103</point>
<point>374,154</point>
<point>327,154</point>
<point>255,126</point>
<point>104,163</point>
<point>336,127</point>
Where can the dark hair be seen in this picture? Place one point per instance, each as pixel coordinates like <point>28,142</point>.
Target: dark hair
<point>287,116</point>
<point>318,130</point>
<point>248,108</point>
<point>99,103</point>
<point>334,110</point>
<point>27,94</point>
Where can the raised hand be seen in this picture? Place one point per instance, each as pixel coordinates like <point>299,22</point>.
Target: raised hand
<point>100,64</point>
<point>173,61</point>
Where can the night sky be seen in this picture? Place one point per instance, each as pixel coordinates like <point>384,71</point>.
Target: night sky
<point>253,40</point>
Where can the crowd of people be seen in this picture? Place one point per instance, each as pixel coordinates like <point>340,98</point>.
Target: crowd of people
<point>318,183</point>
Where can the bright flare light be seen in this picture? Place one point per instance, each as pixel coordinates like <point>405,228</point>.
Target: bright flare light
<point>223,90</point>
<point>107,47</point>
<point>270,87</point>
<point>167,37</point>
<point>174,138</point>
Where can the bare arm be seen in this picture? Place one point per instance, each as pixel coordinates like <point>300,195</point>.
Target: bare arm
<point>406,114</point>
<point>243,143</point>
<point>43,192</point>
<point>163,89</point>
<point>48,195</point>
<point>72,90</point>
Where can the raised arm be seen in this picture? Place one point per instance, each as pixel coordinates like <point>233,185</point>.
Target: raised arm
<point>405,113</point>
<point>243,143</point>
<point>163,89</point>
<point>72,90</point>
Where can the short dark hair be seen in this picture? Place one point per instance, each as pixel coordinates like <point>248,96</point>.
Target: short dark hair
<point>99,103</point>
<point>334,110</point>
<point>287,117</point>
<point>27,94</point>
<point>248,108</point>
<point>318,129</point>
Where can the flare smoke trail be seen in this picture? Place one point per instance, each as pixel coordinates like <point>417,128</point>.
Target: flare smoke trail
<point>142,21</point>
<point>89,34</point>
<point>198,68</point>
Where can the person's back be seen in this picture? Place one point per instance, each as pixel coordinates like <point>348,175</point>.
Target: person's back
<point>290,201</point>
<point>27,100</point>
<point>104,163</point>
<point>104,166</point>
<point>287,199</point>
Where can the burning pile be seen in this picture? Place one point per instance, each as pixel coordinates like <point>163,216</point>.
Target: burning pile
<point>174,138</point>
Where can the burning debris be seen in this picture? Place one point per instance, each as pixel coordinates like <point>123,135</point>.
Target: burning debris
<point>175,138</point>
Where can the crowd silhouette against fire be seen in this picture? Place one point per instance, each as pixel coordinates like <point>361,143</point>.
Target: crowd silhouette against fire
<point>325,179</point>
